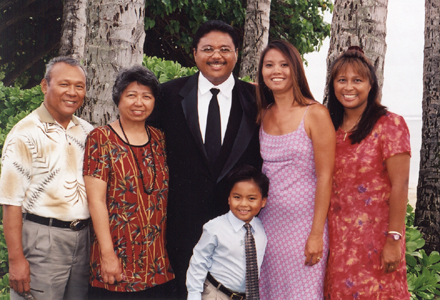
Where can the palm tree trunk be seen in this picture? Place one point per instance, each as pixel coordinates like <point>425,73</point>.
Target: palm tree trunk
<point>115,39</point>
<point>427,215</point>
<point>359,23</point>
<point>73,29</point>
<point>256,36</point>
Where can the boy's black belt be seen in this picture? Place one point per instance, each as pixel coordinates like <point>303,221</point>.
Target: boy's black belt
<point>225,290</point>
<point>75,225</point>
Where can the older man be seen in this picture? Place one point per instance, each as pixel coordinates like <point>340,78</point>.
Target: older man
<point>42,191</point>
<point>209,123</point>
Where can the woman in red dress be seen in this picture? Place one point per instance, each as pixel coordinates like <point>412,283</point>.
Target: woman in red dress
<point>370,187</point>
<point>126,178</point>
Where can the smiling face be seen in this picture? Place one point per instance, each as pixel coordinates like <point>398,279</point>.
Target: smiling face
<point>352,88</point>
<point>277,73</point>
<point>136,103</point>
<point>217,66</point>
<point>245,200</point>
<point>65,92</point>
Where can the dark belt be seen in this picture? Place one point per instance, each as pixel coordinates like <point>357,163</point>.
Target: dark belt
<point>225,290</point>
<point>75,225</point>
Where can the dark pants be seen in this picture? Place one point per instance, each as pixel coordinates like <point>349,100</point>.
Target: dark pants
<point>159,292</point>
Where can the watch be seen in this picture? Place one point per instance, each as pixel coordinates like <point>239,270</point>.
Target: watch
<point>394,235</point>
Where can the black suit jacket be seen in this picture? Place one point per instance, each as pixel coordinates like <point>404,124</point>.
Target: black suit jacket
<point>198,191</point>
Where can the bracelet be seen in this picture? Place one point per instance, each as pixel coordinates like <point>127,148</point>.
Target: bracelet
<point>394,232</point>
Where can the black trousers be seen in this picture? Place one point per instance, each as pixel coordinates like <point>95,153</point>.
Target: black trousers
<point>159,292</point>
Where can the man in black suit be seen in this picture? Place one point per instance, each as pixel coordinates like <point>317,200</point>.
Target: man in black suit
<point>206,137</point>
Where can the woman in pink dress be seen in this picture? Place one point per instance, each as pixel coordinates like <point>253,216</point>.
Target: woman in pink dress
<point>370,187</point>
<point>297,146</point>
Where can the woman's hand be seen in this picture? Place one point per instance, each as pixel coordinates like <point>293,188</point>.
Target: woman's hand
<point>322,133</point>
<point>391,255</point>
<point>313,250</point>
<point>398,173</point>
<point>111,270</point>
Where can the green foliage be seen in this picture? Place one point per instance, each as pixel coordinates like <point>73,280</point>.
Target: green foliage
<point>422,269</point>
<point>300,22</point>
<point>15,104</point>
<point>4,275</point>
<point>166,70</point>
<point>170,25</point>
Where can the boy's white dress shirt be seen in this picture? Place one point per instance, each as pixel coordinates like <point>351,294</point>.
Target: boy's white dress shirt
<point>221,251</point>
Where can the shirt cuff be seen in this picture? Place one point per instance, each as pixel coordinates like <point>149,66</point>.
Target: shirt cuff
<point>194,296</point>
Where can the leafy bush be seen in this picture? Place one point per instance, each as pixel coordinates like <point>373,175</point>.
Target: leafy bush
<point>422,269</point>
<point>15,104</point>
<point>166,70</point>
<point>4,275</point>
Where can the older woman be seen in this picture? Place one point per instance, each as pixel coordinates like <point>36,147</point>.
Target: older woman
<point>126,180</point>
<point>370,187</point>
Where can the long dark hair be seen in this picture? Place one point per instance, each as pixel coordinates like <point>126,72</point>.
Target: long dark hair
<point>301,90</point>
<point>355,58</point>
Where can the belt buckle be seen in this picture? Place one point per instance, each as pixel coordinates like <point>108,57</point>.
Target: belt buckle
<point>77,225</point>
<point>238,296</point>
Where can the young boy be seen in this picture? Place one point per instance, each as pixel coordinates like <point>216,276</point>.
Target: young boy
<point>217,268</point>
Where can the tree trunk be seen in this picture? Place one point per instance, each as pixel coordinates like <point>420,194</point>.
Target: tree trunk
<point>256,36</point>
<point>359,23</point>
<point>73,29</point>
<point>115,39</point>
<point>427,216</point>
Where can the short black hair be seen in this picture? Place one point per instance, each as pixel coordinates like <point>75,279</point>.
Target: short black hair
<point>137,74</point>
<point>249,173</point>
<point>62,59</point>
<point>215,25</point>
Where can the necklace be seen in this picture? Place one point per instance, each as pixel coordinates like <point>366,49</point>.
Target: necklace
<point>351,129</point>
<point>148,190</point>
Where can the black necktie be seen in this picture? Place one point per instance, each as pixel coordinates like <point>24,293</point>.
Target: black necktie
<point>252,288</point>
<point>213,136</point>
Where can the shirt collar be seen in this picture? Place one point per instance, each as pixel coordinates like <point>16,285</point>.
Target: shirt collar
<point>225,88</point>
<point>46,117</point>
<point>238,224</point>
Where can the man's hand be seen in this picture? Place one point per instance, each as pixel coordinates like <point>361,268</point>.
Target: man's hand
<point>19,272</point>
<point>19,275</point>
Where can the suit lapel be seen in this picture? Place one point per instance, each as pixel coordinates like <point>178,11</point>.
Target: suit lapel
<point>245,131</point>
<point>189,106</point>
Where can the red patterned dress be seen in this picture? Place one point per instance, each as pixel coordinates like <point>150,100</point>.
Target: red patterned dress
<point>137,219</point>
<point>358,215</point>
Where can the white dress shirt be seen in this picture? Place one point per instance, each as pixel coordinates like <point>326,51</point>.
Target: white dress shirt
<point>224,98</point>
<point>221,251</point>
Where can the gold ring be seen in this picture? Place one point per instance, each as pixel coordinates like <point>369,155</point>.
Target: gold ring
<point>318,258</point>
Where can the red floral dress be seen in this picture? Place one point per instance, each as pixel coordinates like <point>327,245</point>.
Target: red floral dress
<point>137,219</point>
<point>358,215</point>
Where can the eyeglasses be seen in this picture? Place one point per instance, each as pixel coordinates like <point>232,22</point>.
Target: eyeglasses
<point>223,51</point>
